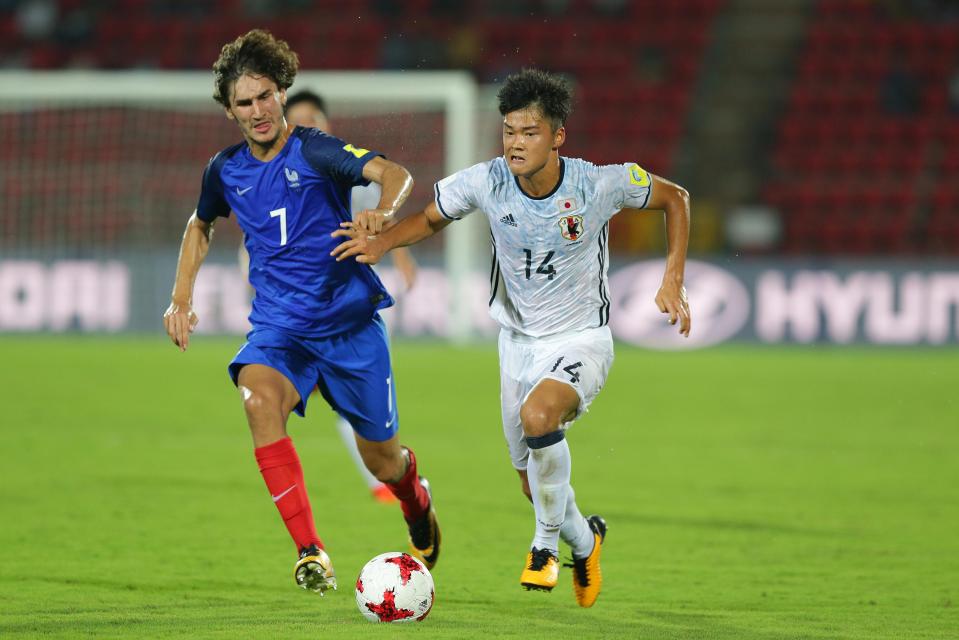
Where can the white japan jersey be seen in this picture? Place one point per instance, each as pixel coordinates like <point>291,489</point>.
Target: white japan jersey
<point>550,254</point>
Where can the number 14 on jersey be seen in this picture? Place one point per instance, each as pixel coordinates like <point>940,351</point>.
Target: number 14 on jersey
<point>544,267</point>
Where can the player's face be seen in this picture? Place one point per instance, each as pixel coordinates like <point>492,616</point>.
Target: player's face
<point>257,107</point>
<point>528,141</point>
<point>304,114</point>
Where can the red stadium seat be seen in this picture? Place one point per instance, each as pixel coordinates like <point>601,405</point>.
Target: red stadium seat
<point>634,84</point>
<point>833,132</point>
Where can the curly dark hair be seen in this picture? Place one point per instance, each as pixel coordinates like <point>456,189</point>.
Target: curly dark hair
<point>258,52</point>
<point>531,87</point>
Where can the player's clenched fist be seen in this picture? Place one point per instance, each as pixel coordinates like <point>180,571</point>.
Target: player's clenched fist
<point>180,321</point>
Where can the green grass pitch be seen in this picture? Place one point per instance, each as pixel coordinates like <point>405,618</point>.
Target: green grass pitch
<point>750,493</point>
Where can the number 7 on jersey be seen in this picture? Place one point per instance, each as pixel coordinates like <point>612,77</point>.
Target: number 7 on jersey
<point>282,215</point>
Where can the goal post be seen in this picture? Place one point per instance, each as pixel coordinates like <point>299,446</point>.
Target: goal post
<point>410,113</point>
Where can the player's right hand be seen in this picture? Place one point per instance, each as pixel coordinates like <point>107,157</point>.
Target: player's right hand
<point>372,220</point>
<point>367,249</point>
<point>180,321</point>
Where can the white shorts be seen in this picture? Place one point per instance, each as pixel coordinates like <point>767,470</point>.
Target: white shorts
<point>580,359</point>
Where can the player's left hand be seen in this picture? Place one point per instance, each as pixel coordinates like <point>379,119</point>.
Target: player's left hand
<point>372,220</point>
<point>671,298</point>
<point>367,248</point>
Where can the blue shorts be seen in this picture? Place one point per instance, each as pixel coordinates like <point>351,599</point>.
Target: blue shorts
<point>352,371</point>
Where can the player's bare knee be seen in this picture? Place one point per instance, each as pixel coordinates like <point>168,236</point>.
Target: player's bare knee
<point>538,419</point>
<point>259,403</point>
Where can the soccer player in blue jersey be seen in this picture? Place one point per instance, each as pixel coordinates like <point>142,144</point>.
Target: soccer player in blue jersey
<point>315,320</point>
<point>549,221</point>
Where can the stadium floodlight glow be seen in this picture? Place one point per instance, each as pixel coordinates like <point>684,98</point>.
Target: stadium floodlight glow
<point>454,93</point>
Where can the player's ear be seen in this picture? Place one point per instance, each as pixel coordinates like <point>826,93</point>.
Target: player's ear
<point>229,113</point>
<point>283,97</point>
<point>559,137</point>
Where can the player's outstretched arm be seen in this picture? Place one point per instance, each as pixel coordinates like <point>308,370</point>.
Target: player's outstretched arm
<point>179,318</point>
<point>368,249</point>
<point>671,297</point>
<point>395,186</point>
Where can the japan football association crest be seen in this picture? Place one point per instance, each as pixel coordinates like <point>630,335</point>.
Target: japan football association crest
<point>571,227</point>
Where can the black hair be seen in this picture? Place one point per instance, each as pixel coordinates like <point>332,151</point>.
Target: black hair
<point>534,88</point>
<point>258,52</point>
<point>308,97</point>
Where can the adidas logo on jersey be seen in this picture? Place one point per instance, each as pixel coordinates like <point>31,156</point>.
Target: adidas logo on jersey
<point>508,219</point>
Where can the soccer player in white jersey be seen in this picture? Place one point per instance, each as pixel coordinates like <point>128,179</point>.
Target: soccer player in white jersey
<point>549,217</point>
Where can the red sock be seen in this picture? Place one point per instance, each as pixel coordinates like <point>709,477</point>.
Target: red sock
<point>412,496</point>
<point>283,474</point>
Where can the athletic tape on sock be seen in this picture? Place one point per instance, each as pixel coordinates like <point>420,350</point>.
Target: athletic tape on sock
<point>539,442</point>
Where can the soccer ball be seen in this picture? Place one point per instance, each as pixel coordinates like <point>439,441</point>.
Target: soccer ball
<point>394,587</point>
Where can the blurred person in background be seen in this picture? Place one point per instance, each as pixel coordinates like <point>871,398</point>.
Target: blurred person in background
<point>549,218</point>
<point>315,320</point>
<point>308,109</point>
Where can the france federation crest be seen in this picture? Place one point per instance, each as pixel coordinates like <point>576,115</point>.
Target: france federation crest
<point>571,227</point>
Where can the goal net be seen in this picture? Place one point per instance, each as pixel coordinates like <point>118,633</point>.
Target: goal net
<point>105,167</point>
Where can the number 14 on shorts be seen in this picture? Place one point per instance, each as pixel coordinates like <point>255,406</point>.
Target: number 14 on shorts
<point>571,369</point>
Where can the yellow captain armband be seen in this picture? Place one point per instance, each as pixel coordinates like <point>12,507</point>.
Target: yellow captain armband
<point>638,176</point>
<point>359,153</point>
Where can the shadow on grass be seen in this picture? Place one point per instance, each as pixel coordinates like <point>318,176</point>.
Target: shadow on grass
<point>722,524</point>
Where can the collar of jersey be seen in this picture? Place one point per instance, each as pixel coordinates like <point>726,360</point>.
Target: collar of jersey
<point>559,183</point>
<point>248,153</point>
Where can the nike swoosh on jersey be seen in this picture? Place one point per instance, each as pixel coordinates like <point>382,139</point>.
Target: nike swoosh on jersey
<point>277,498</point>
<point>240,191</point>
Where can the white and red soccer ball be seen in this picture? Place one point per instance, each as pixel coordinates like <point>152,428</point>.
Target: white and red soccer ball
<point>394,587</point>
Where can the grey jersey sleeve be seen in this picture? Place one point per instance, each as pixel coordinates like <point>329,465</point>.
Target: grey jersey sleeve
<point>459,194</point>
<point>628,185</point>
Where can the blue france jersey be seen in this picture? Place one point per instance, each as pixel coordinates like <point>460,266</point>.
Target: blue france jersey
<point>287,208</point>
